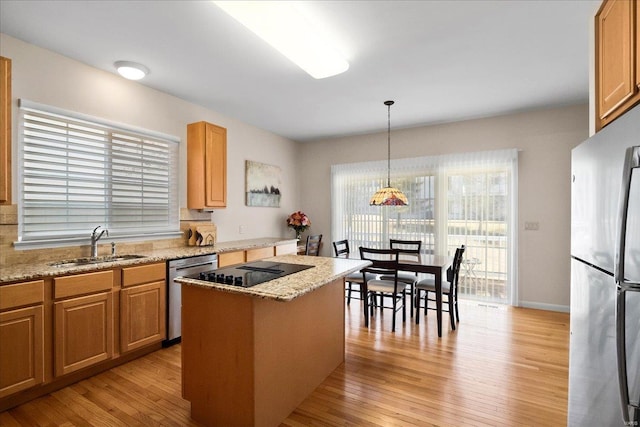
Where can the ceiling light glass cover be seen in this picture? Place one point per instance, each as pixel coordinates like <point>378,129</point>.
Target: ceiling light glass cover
<point>131,70</point>
<point>389,196</point>
<point>281,24</point>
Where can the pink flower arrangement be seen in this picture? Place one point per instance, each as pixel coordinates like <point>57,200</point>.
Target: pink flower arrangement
<point>299,221</point>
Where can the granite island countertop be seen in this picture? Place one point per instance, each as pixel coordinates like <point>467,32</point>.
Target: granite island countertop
<point>21,272</point>
<point>287,288</point>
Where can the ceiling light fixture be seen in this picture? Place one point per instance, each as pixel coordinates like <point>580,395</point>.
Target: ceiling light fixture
<point>281,25</point>
<point>131,70</point>
<point>388,196</point>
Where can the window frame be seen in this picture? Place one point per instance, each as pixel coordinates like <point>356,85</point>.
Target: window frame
<point>114,136</point>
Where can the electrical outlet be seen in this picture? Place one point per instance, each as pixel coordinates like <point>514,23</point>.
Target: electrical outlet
<point>533,226</point>
<point>241,229</point>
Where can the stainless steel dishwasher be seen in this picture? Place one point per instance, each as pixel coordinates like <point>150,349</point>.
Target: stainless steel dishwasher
<point>176,268</point>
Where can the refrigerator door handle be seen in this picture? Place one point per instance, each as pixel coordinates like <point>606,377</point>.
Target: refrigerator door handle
<point>631,161</point>
<point>630,412</point>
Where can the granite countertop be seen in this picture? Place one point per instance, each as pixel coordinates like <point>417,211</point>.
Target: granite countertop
<point>294,285</point>
<point>21,272</point>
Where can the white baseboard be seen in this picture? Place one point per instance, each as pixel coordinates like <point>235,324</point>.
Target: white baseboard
<point>543,306</point>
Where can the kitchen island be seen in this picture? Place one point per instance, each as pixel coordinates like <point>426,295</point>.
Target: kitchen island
<point>250,356</point>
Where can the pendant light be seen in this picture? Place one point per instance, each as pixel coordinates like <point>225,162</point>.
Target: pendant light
<point>388,196</point>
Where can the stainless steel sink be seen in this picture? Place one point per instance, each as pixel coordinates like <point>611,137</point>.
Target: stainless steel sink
<point>98,260</point>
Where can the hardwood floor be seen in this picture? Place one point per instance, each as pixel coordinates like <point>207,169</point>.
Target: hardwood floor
<point>502,367</point>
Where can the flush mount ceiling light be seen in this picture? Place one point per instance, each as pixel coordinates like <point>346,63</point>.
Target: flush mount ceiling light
<point>131,70</point>
<point>281,25</point>
<point>388,196</point>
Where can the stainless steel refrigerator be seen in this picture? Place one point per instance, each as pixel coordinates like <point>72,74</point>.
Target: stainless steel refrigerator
<point>604,354</point>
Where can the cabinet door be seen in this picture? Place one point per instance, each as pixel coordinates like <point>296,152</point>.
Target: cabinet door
<point>637,46</point>
<point>230,258</point>
<point>206,166</point>
<point>83,330</point>
<point>614,55</point>
<point>142,315</point>
<point>22,349</point>
<point>216,166</point>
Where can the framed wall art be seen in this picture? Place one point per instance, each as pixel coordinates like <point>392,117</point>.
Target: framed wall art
<point>263,183</point>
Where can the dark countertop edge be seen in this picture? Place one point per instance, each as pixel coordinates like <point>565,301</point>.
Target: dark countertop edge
<point>42,270</point>
<point>265,290</point>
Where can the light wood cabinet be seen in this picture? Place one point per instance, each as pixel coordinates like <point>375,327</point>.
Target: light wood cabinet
<point>83,325</point>
<point>226,259</point>
<point>617,69</point>
<point>21,336</point>
<point>83,332</point>
<point>142,306</point>
<point>5,131</point>
<point>259,253</point>
<point>206,166</point>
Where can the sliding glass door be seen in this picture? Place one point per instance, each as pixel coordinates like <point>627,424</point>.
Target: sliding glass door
<point>457,200</point>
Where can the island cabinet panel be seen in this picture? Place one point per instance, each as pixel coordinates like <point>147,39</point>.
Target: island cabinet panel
<point>617,73</point>
<point>142,315</point>
<point>206,166</point>
<point>21,349</point>
<point>252,361</point>
<point>230,258</point>
<point>83,332</point>
<point>259,253</point>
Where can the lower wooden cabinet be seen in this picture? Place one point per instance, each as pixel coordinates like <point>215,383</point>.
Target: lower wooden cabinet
<point>21,349</point>
<point>142,315</point>
<point>83,332</point>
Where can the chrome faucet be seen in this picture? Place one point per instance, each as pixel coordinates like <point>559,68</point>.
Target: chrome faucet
<point>94,240</point>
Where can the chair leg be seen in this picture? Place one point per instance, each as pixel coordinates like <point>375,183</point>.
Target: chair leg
<point>404,307</point>
<point>417,304</point>
<point>411,299</point>
<point>451,313</point>
<point>349,294</point>
<point>393,319</point>
<point>365,304</point>
<point>455,303</point>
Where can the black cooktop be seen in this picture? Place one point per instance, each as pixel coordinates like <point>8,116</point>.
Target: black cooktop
<point>250,274</point>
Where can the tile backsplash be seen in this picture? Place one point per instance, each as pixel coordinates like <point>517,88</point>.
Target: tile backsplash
<point>9,234</point>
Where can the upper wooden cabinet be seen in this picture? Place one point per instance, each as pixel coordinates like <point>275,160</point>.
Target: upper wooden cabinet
<point>617,59</point>
<point>5,131</point>
<point>206,166</point>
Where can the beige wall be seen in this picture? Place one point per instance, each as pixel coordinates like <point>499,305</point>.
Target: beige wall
<point>544,139</point>
<point>42,76</point>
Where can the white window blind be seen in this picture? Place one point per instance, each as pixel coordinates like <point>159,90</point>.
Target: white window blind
<point>78,172</point>
<point>463,199</point>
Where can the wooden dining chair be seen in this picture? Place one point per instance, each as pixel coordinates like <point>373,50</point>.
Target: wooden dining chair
<point>384,262</point>
<point>353,281</point>
<point>449,289</point>
<point>313,245</point>
<point>407,248</point>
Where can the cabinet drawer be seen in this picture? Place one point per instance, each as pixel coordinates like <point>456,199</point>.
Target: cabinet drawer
<point>143,274</point>
<point>230,258</point>
<point>259,253</point>
<point>68,286</point>
<point>20,294</point>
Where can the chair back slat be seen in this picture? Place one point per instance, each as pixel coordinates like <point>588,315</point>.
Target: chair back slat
<point>383,261</point>
<point>341,248</point>
<point>407,246</point>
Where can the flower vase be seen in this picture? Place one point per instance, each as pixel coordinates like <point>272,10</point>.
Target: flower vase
<point>298,236</point>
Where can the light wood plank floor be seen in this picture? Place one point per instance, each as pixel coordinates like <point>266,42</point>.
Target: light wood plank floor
<point>502,367</point>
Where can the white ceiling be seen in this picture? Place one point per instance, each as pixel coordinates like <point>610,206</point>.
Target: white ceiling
<point>440,61</point>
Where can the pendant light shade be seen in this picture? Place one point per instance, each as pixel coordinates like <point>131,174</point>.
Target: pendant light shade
<point>389,196</point>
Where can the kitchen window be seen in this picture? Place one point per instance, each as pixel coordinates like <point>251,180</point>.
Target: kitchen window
<point>463,199</point>
<point>76,172</point>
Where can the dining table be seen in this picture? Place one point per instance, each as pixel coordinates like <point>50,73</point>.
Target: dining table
<point>421,263</point>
